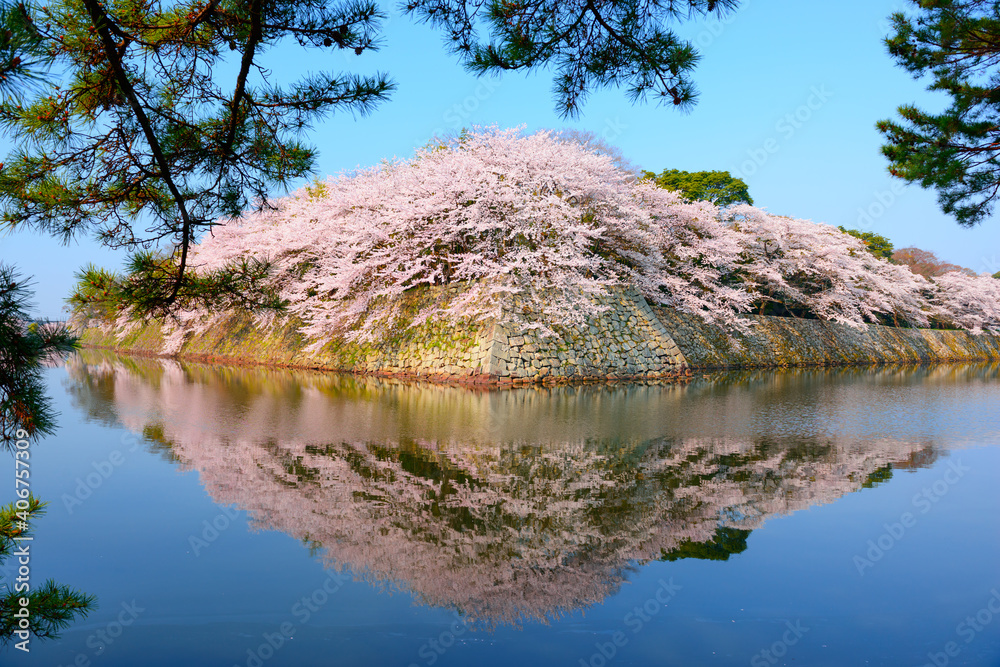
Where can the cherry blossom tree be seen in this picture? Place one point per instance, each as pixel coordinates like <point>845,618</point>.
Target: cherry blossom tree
<point>497,215</point>
<point>926,263</point>
<point>823,271</point>
<point>967,302</point>
<point>503,214</point>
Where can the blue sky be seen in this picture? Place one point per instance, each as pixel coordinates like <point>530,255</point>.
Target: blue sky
<point>790,94</point>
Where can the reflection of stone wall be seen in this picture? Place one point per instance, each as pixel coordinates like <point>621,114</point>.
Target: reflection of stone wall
<point>786,341</point>
<point>630,340</point>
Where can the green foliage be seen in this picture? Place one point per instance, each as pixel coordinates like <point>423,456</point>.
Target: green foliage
<point>52,606</point>
<point>316,189</point>
<point>161,118</point>
<point>24,347</point>
<point>153,130</point>
<point>146,287</point>
<point>876,244</point>
<point>622,43</point>
<point>718,187</point>
<point>97,294</point>
<point>878,476</point>
<point>727,541</point>
<point>23,57</point>
<point>957,43</point>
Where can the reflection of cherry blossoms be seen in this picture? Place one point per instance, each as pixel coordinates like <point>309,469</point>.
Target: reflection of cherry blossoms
<point>507,506</point>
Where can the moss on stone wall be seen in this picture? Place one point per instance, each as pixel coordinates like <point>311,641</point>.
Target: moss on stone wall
<point>629,341</point>
<point>786,341</point>
<point>626,341</point>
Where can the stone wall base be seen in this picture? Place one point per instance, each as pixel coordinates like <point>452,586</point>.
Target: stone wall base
<point>786,341</point>
<point>629,341</point>
<point>625,342</point>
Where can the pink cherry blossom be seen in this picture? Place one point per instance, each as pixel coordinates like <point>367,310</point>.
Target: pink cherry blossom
<point>552,221</point>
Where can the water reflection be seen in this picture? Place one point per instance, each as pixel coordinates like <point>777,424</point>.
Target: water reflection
<point>527,503</point>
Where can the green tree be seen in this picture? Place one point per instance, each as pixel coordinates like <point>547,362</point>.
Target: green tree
<point>957,43</point>
<point>876,244</point>
<point>145,139</point>
<point>23,57</point>
<point>718,187</point>
<point>24,347</point>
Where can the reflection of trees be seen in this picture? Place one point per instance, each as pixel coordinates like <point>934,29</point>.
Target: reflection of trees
<point>505,505</point>
<point>26,611</point>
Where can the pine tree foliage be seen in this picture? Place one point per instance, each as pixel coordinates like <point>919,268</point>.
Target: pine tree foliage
<point>597,43</point>
<point>23,57</point>
<point>957,43</point>
<point>24,347</point>
<point>139,127</point>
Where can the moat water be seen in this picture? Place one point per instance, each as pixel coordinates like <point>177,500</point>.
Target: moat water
<point>245,517</point>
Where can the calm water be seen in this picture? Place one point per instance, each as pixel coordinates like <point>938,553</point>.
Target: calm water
<point>242,517</point>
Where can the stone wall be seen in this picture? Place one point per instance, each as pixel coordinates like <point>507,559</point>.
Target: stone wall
<point>630,340</point>
<point>626,342</point>
<point>787,341</point>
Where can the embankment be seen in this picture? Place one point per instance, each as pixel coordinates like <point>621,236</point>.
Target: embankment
<point>630,340</point>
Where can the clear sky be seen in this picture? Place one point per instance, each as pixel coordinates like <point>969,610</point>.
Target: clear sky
<point>790,94</point>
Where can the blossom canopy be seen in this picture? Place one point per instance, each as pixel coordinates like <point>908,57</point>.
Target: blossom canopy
<point>557,223</point>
